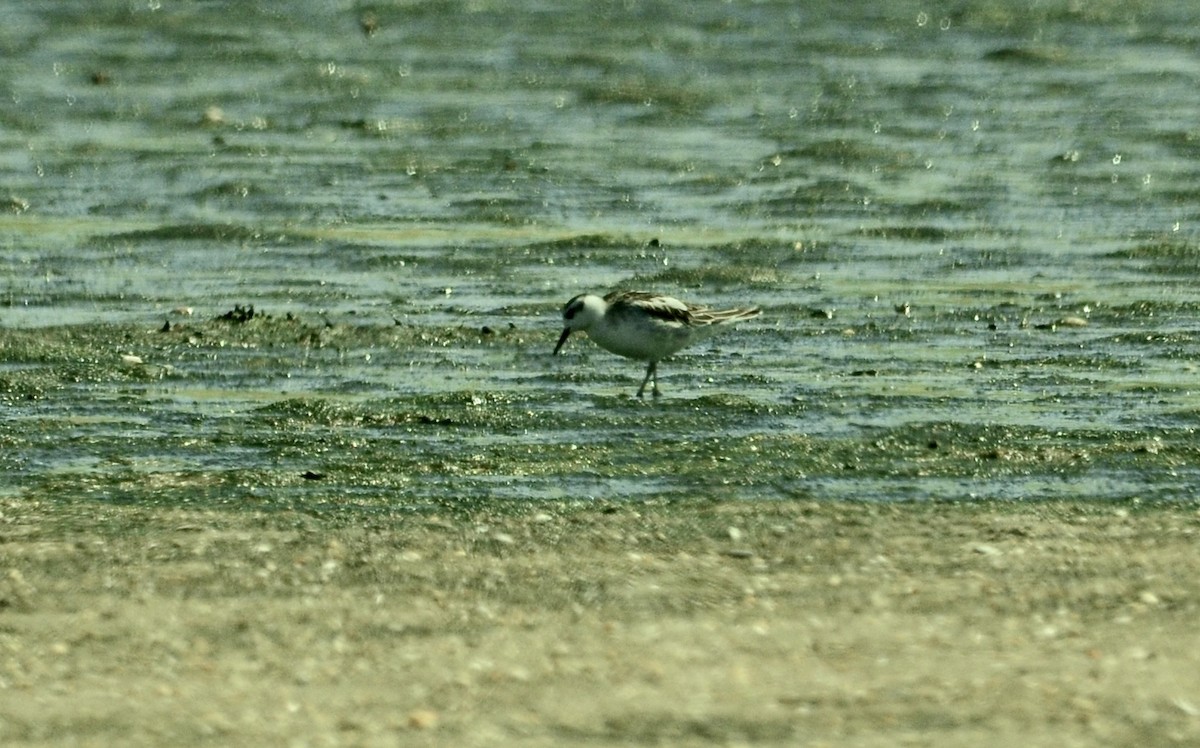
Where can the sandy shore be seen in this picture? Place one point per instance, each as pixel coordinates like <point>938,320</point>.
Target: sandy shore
<point>711,623</point>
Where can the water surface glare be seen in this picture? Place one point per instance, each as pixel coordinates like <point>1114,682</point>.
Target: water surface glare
<point>973,233</point>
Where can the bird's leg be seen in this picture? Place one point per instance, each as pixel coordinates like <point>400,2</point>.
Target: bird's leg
<point>651,371</point>
<point>654,377</point>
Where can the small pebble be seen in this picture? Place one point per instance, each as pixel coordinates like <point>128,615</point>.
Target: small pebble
<point>422,719</point>
<point>369,23</point>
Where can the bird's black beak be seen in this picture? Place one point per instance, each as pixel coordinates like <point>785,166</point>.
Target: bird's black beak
<point>561,339</point>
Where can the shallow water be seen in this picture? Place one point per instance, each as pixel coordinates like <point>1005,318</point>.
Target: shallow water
<point>974,236</point>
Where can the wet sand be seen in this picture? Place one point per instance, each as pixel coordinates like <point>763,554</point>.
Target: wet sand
<point>728,623</point>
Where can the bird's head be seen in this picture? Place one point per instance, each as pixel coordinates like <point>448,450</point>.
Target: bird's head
<point>579,313</point>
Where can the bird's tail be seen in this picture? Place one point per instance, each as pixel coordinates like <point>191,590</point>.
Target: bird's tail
<point>721,316</point>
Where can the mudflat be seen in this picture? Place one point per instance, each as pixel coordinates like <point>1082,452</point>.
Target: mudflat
<point>592,623</point>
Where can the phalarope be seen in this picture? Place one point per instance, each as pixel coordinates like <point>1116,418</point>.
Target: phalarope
<point>644,326</point>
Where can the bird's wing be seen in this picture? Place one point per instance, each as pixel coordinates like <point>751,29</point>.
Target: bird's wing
<point>656,305</point>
